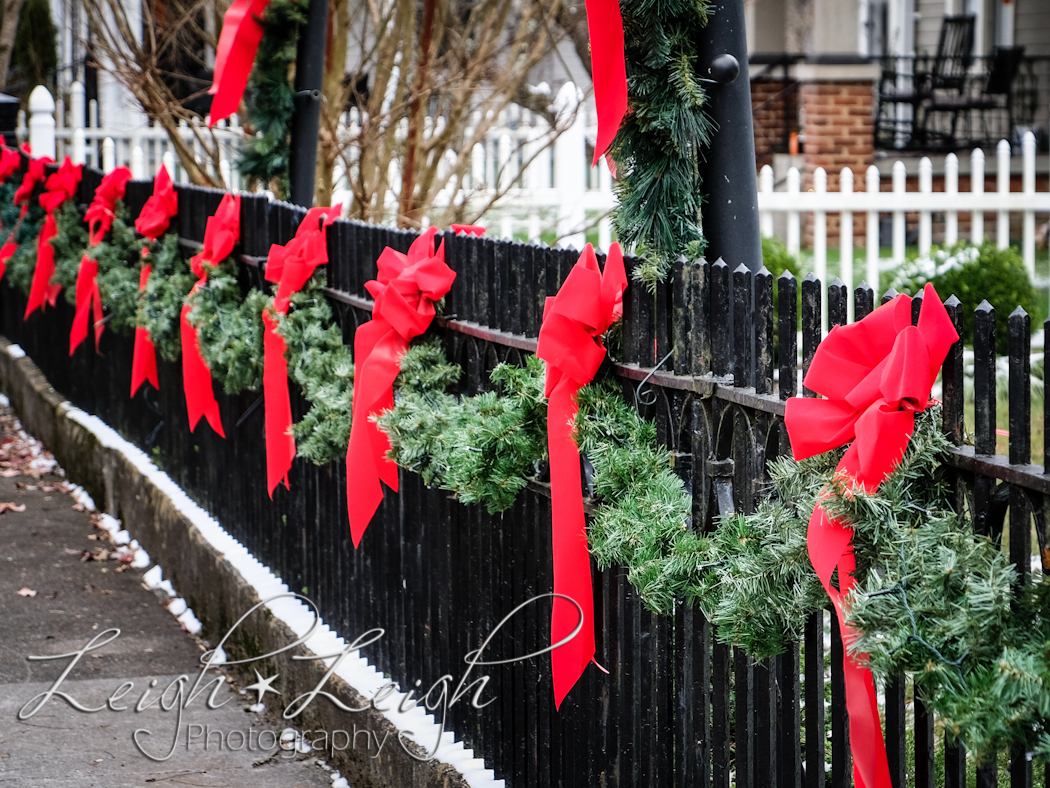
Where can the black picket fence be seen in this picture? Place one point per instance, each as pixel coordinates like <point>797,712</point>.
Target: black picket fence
<point>676,707</point>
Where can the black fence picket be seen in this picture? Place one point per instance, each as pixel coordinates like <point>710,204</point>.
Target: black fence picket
<point>677,706</point>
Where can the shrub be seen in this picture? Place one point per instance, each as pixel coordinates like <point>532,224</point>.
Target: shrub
<point>974,274</point>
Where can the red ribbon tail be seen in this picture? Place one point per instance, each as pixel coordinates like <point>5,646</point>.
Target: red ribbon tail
<point>830,546</point>
<point>605,28</point>
<point>41,289</point>
<point>572,564</point>
<point>196,379</point>
<point>280,445</point>
<point>86,288</point>
<point>235,55</point>
<point>143,362</point>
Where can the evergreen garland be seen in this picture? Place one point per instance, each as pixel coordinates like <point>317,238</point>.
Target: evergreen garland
<point>934,599</point>
<point>271,97</point>
<point>659,144</point>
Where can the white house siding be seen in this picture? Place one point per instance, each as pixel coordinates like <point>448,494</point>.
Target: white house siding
<point>928,25</point>
<point>1032,31</point>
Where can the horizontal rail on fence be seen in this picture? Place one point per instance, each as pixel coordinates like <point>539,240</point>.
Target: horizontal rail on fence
<point>914,202</point>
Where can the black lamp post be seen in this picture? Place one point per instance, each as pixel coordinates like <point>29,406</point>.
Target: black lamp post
<point>730,209</point>
<point>309,79</point>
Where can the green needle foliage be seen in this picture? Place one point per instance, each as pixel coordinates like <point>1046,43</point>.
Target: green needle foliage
<point>661,140</point>
<point>270,96</point>
<point>933,599</point>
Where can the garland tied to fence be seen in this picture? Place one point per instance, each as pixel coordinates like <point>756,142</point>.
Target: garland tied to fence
<point>930,597</point>
<point>59,187</point>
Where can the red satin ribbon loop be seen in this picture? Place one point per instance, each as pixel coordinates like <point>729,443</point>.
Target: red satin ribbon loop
<point>35,174</point>
<point>588,302</point>
<point>234,56</point>
<point>876,374</point>
<point>220,236</point>
<point>290,266</point>
<point>404,293</point>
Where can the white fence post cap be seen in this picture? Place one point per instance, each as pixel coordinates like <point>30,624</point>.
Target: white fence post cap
<point>40,100</point>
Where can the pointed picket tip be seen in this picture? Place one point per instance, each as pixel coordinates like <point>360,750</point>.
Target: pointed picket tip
<point>836,282</point>
<point>1019,312</point>
<point>786,276</point>
<point>741,269</point>
<point>985,308</point>
<point>952,302</point>
<point>720,262</point>
<point>811,277</point>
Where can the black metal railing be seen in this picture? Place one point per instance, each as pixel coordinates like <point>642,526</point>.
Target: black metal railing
<point>677,707</point>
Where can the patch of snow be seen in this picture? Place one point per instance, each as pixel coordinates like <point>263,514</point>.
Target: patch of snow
<point>415,724</point>
<point>15,351</point>
<point>152,578</point>
<point>177,607</point>
<point>121,537</point>
<point>4,401</point>
<point>258,708</point>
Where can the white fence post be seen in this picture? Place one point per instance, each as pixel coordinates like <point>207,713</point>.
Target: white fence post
<point>42,122</point>
<point>765,185</point>
<point>605,187</point>
<point>76,105</point>
<point>138,163</point>
<point>925,216</point>
<point>1002,224</point>
<point>977,187</point>
<point>871,238</point>
<point>570,174</point>
<point>109,155</point>
<point>168,162</point>
<point>951,188</point>
<point>1028,187</point>
<point>79,149</point>
<point>820,235</point>
<point>794,240</point>
<point>900,186</point>
<point>846,241</point>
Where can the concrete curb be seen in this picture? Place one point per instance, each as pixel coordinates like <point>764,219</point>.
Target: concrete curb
<point>213,587</point>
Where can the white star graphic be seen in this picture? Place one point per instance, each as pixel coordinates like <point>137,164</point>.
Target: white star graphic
<point>262,686</point>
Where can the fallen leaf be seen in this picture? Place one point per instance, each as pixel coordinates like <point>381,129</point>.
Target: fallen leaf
<point>74,552</point>
<point>26,592</point>
<point>92,537</point>
<point>7,473</point>
<point>79,507</point>
<point>7,506</point>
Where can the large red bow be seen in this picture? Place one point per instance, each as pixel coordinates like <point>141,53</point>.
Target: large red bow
<point>35,174</point>
<point>588,302</point>
<point>152,222</point>
<point>404,291</point>
<point>220,236</point>
<point>99,217</point>
<point>60,186</point>
<point>10,161</point>
<point>160,208</point>
<point>234,56</point>
<point>102,211</point>
<point>291,267</point>
<point>876,374</point>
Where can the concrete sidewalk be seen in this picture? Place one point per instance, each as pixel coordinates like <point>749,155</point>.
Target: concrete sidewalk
<point>60,587</point>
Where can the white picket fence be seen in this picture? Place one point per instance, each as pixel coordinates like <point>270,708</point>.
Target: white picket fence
<point>532,184</point>
<point>793,203</point>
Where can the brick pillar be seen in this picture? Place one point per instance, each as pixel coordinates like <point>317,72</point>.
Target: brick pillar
<point>837,107</point>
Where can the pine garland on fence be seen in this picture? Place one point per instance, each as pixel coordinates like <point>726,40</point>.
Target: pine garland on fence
<point>271,97</point>
<point>661,140</point>
<point>934,599</point>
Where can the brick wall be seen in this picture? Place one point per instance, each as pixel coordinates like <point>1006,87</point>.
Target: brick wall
<point>774,106</point>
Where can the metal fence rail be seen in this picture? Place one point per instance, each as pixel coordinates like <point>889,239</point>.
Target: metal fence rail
<point>677,707</point>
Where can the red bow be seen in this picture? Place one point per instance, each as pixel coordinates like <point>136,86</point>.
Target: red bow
<point>153,222</point>
<point>570,342</point>
<point>10,161</point>
<point>35,174</point>
<point>99,217</point>
<point>876,375</point>
<point>291,267</point>
<point>102,211</point>
<point>404,291</point>
<point>234,56</point>
<point>160,208</point>
<point>60,186</point>
<point>220,236</point>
